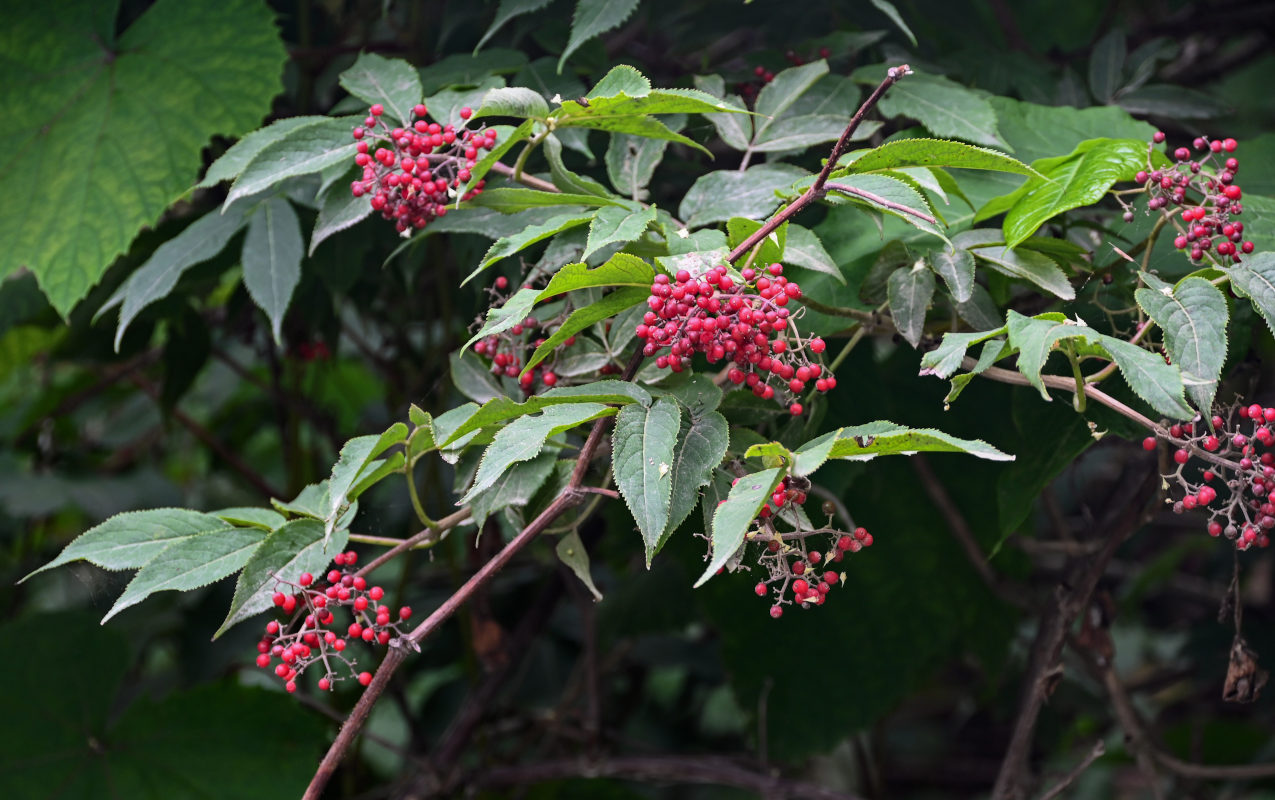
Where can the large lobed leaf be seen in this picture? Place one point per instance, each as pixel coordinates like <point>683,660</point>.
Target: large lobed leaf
<point>111,129</point>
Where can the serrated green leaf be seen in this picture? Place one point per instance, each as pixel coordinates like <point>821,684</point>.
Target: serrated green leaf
<point>512,200</point>
<point>191,563</point>
<point>77,102</point>
<point>887,8</point>
<point>943,106</point>
<point>472,379</point>
<point>803,249</point>
<point>305,150</point>
<point>500,409</point>
<point>582,318</point>
<point>980,311</point>
<point>351,465</point>
<point>1255,279</point>
<point>736,130</point>
<point>621,269</point>
<point>1082,179</point>
<point>701,446</point>
<point>507,10</point>
<point>339,209</point>
<point>611,115</point>
<point>776,96</point>
<point>881,438</point>
<point>249,517</point>
<point>616,224</point>
<point>392,82</point>
<point>813,454</point>
<point>515,243</point>
<point>241,153</point>
<point>945,359</point>
<point>642,455</point>
<point>295,547</point>
<point>932,153</point>
<point>515,488</point>
<point>910,290</point>
<point>718,196</point>
<point>1193,316</point>
<point>131,539</point>
<point>592,18</point>
<point>512,101</point>
<point>1029,266</point>
<point>886,194</point>
<point>309,502</point>
<point>991,353</point>
<point>570,551</point>
<point>525,437</point>
<point>200,241</point>
<point>1038,131</point>
<point>272,253</point>
<point>732,518</point>
<point>506,138</point>
<point>956,268</point>
<point>631,161</point>
<point>1106,65</point>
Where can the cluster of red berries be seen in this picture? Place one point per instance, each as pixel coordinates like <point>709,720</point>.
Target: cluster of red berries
<point>420,169</point>
<point>1236,482</point>
<point>1205,223</point>
<point>762,76</point>
<point>746,323</point>
<point>508,349</point>
<point>312,351</point>
<point>793,567</point>
<point>307,636</point>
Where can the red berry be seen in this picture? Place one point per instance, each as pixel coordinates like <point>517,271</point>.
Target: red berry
<point>795,409</point>
<point>377,110</point>
<point>776,612</point>
<point>760,589</point>
<point>1148,443</point>
<point>1181,456</point>
<point>405,612</point>
<point>1229,145</point>
<point>263,660</point>
<point>799,587</point>
<point>324,684</point>
<point>291,686</point>
<point>466,112</point>
<point>365,678</point>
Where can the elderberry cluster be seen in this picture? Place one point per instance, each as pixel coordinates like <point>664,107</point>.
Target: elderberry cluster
<point>1205,224</point>
<point>309,636</point>
<point>1229,471</point>
<point>745,323</point>
<point>508,349</point>
<point>749,89</point>
<point>792,564</point>
<point>420,169</point>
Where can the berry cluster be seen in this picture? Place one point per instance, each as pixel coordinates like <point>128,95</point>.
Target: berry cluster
<point>508,349</point>
<point>761,76</point>
<point>412,178</point>
<point>792,565</point>
<point>1236,482</point>
<point>746,323</point>
<point>1205,223</point>
<point>308,636</point>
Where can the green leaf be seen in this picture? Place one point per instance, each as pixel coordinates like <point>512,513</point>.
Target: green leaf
<point>622,80</point>
<point>339,209</point>
<point>356,456</point>
<point>880,438</point>
<point>305,150</point>
<point>732,519</point>
<point>813,454</point>
<point>887,8</point>
<point>615,224</point>
<point>788,85</point>
<point>933,153</point>
<point>1037,131</point>
<point>295,547</point>
<point>515,488</point>
<point>944,107</point>
<point>525,437</point>
<point>263,518</point>
<point>233,161</point>
<point>309,502</point>
<point>1167,100</point>
<point>200,241</point>
<point>736,130</point>
<point>803,249</point>
<point>772,247</point>
<point>1029,266</point>
<point>798,133</point>
<point>563,177</point>
<point>516,243</point>
<point>1081,179</point>
<point>910,290</point>
<point>701,446</point>
<point>956,268</point>
<point>582,318</point>
<point>131,539</point>
<point>631,162</point>
<point>507,10</point>
<point>1106,65</point>
<point>620,116</point>
<point>272,253</point>
<point>1255,279</point>
<point>190,564</point>
<point>505,140</point>
<point>1193,316</point>
<point>391,82</point>
<point>77,103</point>
<point>500,409</point>
<point>621,269</point>
<point>594,17</point>
<point>511,200</point>
<point>570,551</point>
<point>512,101</point>
<point>642,455</point>
<point>472,379</point>
<point>946,359</point>
<point>718,196</point>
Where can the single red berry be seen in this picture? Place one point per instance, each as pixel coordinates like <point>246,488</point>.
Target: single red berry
<point>376,593</point>
<point>1229,145</point>
<point>795,409</point>
<point>1206,495</point>
<point>1215,529</point>
<point>405,612</point>
<point>814,556</point>
<point>759,589</point>
<point>549,379</point>
<point>776,612</point>
<point>1148,443</point>
<point>466,112</point>
<point>278,598</point>
<point>263,660</point>
<point>1181,456</point>
<point>291,686</point>
<point>365,678</point>
<point>324,684</point>
<point>799,587</point>
<point>1211,443</point>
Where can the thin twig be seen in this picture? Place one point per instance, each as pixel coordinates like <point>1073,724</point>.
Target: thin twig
<point>427,537</point>
<point>881,201</point>
<point>1095,753</point>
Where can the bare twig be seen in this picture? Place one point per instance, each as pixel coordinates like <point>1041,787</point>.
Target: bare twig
<point>1095,753</point>
<point>881,201</point>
